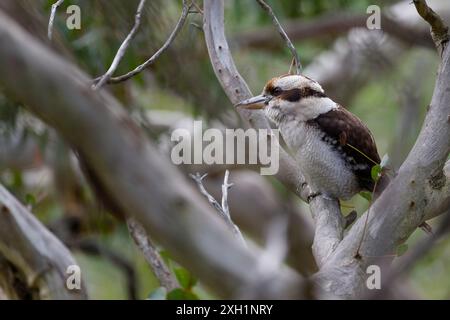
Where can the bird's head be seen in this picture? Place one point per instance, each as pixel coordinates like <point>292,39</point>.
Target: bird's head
<point>290,97</point>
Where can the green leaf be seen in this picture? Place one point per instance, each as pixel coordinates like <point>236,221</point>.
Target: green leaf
<point>401,249</point>
<point>376,172</point>
<point>185,278</point>
<point>366,195</point>
<point>166,257</point>
<point>181,294</point>
<point>158,294</point>
<point>30,199</point>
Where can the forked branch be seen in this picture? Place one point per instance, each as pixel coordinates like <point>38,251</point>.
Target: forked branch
<point>152,59</point>
<point>122,49</point>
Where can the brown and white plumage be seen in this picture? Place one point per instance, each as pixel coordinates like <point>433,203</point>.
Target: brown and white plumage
<point>333,148</point>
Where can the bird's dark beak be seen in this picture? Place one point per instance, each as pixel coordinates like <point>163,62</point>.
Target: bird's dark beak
<point>258,102</point>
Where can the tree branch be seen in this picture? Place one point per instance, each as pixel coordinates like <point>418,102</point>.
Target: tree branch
<point>283,35</point>
<point>52,18</point>
<point>411,258</point>
<point>35,252</point>
<point>439,31</point>
<point>152,59</point>
<point>123,48</point>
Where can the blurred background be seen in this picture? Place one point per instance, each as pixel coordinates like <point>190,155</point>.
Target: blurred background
<point>386,77</point>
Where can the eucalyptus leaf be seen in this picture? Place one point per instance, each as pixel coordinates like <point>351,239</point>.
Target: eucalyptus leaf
<point>376,172</point>
<point>366,195</point>
<point>185,278</point>
<point>181,294</point>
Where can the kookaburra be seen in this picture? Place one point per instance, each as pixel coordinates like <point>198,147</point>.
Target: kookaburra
<point>334,149</point>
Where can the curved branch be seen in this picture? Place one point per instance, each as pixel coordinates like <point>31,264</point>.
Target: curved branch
<point>439,31</point>
<point>152,59</point>
<point>123,48</point>
<point>34,251</point>
<point>52,18</point>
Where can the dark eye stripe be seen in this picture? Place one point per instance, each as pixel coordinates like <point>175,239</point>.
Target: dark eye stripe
<point>294,95</point>
<point>276,91</point>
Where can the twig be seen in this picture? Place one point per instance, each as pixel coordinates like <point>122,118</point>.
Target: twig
<point>357,255</point>
<point>225,187</point>
<point>439,31</point>
<point>152,59</point>
<point>122,49</point>
<point>283,34</point>
<point>52,17</point>
<point>224,208</point>
<point>195,4</point>
<point>151,255</point>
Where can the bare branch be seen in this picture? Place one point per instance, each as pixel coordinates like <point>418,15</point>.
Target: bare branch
<point>52,18</point>
<point>222,209</point>
<point>439,30</point>
<point>91,247</point>
<point>283,34</point>
<point>152,59</point>
<point>329,228</point>
<point>38,255</point>
<point>225,187</point>
<point>151,255</point>
<point>122,49</point>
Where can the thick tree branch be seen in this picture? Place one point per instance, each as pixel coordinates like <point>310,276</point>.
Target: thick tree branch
<point>129,168</point>
<point>36,253</point>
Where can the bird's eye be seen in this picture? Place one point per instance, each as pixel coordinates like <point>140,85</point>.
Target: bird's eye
<point>276,91</point>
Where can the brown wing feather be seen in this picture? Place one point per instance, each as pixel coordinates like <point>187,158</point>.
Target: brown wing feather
<point>345,130</point>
